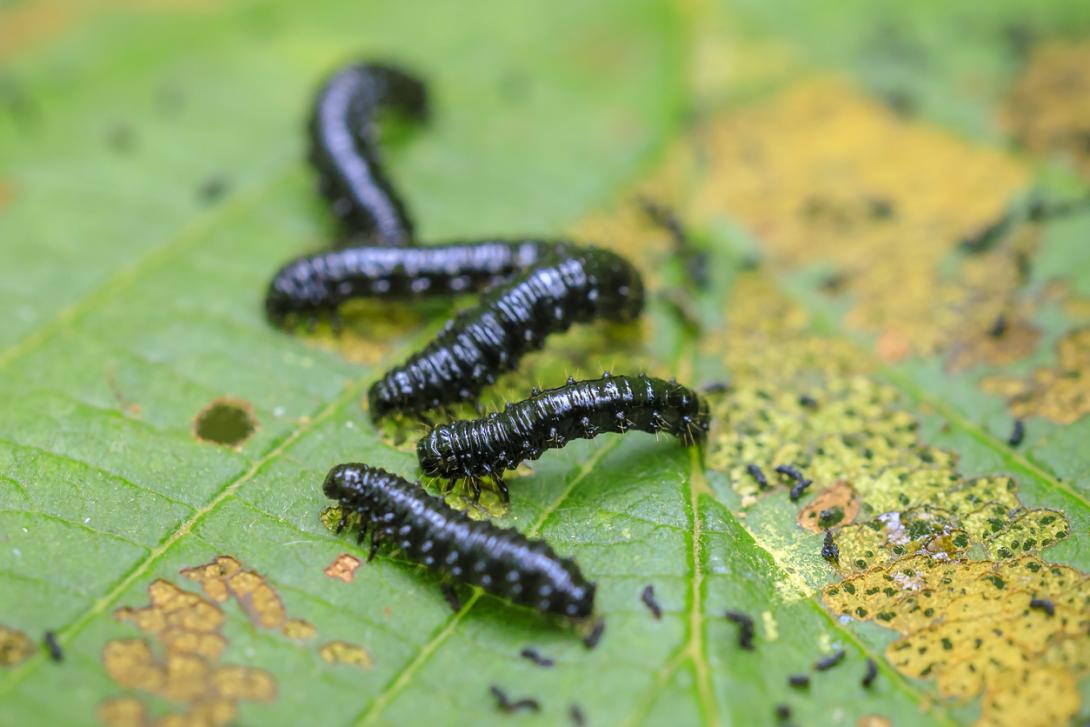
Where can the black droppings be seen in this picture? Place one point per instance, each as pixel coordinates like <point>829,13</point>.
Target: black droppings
<point>577,717</point>
<point>789,471</point>
<point>999,326</point>
<point>225,421</point>
<point>1018,433</point>
<point>799,681</point>
<point>212,189</point>
<point>506,705</point>
<point>535,656</point>
<point>831,516</point>
<point>648,598</point>
<point>53,647</point>
<point>830,551</point>
<point>756,473</point>
<point>799,488</point>
<point>829,661</point>
<point>881,208</point>
<point>1043,604</point>
<point>451,597</point>
<point>500,561</point>
<point>120,137</point>
<point>870,674</point>
<point>595,635</point>
<point>986,237</point>
<point>746,629</point>
<point>696,260</point>
<point>807,401</point>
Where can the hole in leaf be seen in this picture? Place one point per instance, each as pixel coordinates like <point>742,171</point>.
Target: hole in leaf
<point>225,421</point>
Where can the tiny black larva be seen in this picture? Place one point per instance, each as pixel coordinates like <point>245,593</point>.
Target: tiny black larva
<point>344,152</point>
<point>501,561</point>
<point>318,284</point>
<point>550,419</point>
<point>482,342</point>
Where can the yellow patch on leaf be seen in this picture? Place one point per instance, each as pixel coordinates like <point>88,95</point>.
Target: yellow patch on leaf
<point>965,622</point>
<point>182,661</point>
<point>1060,391</point>
<point>1049,107</point>
<point>341,652</point>
<point>15,646</point>
<point>822,174</point>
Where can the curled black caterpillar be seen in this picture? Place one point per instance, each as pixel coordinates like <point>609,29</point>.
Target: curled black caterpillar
<point>344,152</point>
<point>578,285</point>
<point>428,531</point>
<point>550,419</point>
<point>318,284</point>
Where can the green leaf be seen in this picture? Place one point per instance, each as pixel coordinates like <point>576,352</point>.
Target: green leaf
<point>153,180</point>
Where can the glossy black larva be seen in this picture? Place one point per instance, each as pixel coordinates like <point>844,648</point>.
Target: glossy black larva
<point>482,342</point>
<point>428,531</point>
<point>319,284</point>
<point>344,150</point>
<point>550,419</point>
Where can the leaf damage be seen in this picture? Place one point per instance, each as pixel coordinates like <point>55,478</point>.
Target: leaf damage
<point>182,661</point>
<point>904,558</point>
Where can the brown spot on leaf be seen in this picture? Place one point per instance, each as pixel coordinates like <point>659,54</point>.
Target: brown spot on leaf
<point>224,577</point>
<point>5,193</point>
<point>341,652</point>
<point>123,712</point>
<point>297,628</point>
<point>182,661</point>
<point>225,421</point>
<point>874,720</point>
<point>344,567</point>
<point>15,646</point>
<point>833,506</point>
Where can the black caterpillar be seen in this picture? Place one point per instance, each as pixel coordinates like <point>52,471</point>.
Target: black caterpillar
<point>318,284</point>
<point>344,152</point>
<point>550,419</point>
<point>576,285</point>
<point>500,560</point>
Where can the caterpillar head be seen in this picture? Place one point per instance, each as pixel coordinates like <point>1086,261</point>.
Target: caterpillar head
<point>299,289</point>
<point>576,602</point>
<point>435,453</point>
<point>347,483</point>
